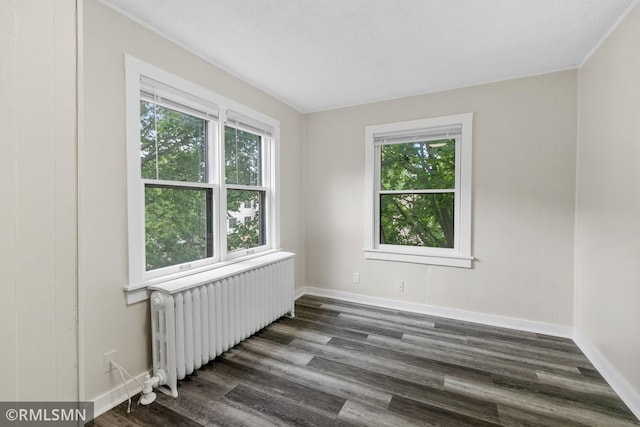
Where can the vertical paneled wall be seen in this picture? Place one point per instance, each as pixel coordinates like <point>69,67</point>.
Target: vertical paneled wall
<point>108,322</point>
<point>524,141</point>
<point>38,221</point>
<point>608,206</point>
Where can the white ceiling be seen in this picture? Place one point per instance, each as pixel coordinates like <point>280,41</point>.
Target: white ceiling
<point>323,54</point>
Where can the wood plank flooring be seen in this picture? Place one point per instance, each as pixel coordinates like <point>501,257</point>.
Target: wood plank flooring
<point>343,364</point>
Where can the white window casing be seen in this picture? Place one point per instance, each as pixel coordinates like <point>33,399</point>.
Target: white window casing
<point>457,126</point>
<point>150,83</point>
<point>265,131</point>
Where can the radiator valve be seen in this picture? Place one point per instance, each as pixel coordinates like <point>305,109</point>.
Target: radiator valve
<point>148,396</point>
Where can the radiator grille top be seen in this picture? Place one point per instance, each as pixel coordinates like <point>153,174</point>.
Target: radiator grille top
<point>180,284</point>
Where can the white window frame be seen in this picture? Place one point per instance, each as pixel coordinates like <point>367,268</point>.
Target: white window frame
<point>460,254</point>
<point>247,124</point>
<point>139,278</point>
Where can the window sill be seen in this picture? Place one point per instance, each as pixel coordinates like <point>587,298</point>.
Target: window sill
<point>219,272</point>
<point>447,261</point>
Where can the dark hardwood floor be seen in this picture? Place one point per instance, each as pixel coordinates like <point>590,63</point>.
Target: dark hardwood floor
<point>339,363</point>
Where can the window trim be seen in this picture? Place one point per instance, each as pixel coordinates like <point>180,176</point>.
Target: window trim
<point>460,254</point>
<point>139,279</point>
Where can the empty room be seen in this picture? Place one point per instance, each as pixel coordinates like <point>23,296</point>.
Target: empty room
<point>298,212</point>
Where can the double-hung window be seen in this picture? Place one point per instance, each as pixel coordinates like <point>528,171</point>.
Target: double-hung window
<point>177,170</point>
<point>201,176</point>
<point>418,191</point>
<point>246,174</point>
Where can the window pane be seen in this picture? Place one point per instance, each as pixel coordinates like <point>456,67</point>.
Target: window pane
<point>420,165</point>
<point>173,144</point>
<point>243,153</point>
<point>245,219</point>
<point>177,225</point>
<point>417,219</point>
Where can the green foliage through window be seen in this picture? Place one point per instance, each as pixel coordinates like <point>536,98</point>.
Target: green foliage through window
<point>417,182</point>
<point>417,219</point>
<point>177,229</point>
<point>245,207</point>
<point>177,218</point>
<point>173,144</point>
<point>201,178</point>
<point>245,217</point>
<point>242,157</point>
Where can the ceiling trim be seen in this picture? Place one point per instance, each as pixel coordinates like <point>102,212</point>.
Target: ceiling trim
<point>208,60</point>
<point>448,89</point>
<point>608,33</point>
<point>299,109</point>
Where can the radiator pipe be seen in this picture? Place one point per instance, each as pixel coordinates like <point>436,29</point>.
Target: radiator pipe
<point>148,396</point>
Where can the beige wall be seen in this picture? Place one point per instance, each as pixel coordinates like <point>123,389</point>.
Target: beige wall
<point>523,215</point>
<point>608,202</point>
<point>38,326</point>
<point>523,201</point>
<point>108,323</point>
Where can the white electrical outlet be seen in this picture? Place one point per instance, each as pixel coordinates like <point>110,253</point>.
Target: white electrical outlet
<point>107,358</point>
<point>399,286</point>
<point>356,277</point>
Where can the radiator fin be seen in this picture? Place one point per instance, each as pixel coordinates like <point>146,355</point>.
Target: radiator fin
<point>194,326</point>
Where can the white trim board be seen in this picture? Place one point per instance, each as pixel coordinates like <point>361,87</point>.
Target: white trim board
<point>299,292</point>
<point>450,313</point>
<point>608,33</point>
<point>116,396</point>
<point>618,383</point>
<point>625,391</point>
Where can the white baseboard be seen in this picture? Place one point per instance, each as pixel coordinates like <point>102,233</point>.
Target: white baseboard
<point>629,395</point>
<point>451,313</point>
<point>299,292</point>
<point>113,398</point>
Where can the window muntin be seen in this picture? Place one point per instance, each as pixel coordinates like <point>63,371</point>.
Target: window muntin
<point>418,177</point>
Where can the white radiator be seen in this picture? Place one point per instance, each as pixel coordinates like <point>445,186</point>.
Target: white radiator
<point>193,322</point>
